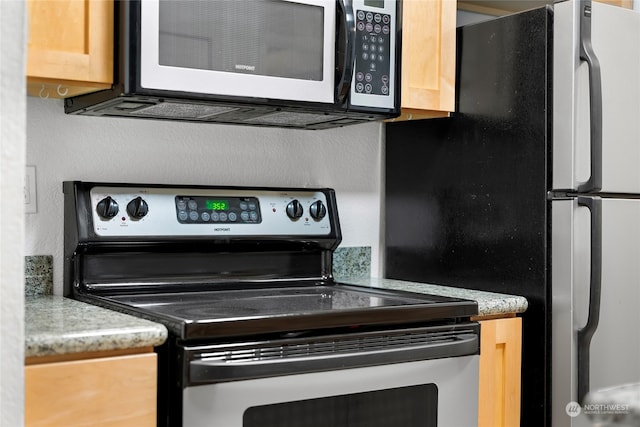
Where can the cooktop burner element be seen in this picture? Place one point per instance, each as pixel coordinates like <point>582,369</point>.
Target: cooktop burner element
<point>262,302</point>
<point>228,313</point>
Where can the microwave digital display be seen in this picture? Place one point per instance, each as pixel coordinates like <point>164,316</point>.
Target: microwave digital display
<point>374,3</point>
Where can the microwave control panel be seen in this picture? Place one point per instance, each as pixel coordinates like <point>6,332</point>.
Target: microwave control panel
<point>375,45</point>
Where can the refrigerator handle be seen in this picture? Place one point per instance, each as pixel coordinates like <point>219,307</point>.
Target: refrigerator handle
<point>595,288</point>
<point>587,54</point>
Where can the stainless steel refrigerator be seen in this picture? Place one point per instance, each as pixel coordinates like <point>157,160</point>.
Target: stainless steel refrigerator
<point>532,187</point>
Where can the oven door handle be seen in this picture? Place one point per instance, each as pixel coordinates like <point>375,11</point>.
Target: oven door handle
<point>214,370</point>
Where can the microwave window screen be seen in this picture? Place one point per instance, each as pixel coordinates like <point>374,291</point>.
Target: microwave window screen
<point>260,37</point>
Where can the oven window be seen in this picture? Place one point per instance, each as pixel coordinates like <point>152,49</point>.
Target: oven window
<point>413,406</point>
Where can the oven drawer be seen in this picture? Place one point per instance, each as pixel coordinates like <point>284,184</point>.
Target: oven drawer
<point>433,393</point>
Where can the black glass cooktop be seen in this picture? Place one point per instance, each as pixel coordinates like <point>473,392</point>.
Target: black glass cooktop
<point>204,314</point>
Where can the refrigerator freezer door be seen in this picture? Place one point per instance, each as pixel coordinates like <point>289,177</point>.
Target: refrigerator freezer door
<point>614,351</point>
<point>615,39</point>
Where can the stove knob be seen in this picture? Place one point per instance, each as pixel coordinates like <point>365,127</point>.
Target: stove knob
<point>107,208</point>
<point>317,210</point>
<point>294,209</point>
<point>137,208</point>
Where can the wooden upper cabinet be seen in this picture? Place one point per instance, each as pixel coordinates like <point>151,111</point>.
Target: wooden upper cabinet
<point>428,58</point>
<point>70,47</point>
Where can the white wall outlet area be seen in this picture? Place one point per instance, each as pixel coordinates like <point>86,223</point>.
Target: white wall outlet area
<point>30,190</point>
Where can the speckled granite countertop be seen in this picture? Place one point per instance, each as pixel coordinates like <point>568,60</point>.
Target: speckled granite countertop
<point>489,303</point>
<point>55,325</point>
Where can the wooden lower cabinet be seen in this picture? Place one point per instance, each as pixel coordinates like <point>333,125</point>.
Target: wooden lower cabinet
<point>500,364</point>
<point>99,392</point>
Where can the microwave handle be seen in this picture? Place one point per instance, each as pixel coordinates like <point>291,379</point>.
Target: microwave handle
<point>346,28</point>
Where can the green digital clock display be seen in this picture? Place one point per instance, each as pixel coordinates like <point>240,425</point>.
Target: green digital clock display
<point>217,205</point>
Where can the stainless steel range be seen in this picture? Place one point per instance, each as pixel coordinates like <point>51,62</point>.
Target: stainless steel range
<point>260,332</point>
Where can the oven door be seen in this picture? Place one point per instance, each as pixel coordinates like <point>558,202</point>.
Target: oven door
<point>390,381</point>
<point>278,49</point>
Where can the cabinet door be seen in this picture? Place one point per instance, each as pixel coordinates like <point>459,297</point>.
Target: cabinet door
<point>500,361</point>
<point>105,392</point>
<point>428,58</point>
<point>70,47</point>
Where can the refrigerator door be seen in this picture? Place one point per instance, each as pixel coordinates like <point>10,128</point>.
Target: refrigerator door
<point>595,243</point>
<point>615,37</point>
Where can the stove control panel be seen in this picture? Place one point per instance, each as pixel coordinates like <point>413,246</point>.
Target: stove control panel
<point>171,211</point>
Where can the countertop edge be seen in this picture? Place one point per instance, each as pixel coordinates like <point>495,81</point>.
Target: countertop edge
<point>55,325</point>
<point>489,303</point>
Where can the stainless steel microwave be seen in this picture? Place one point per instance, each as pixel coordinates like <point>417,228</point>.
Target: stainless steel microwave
<point>310,64</point>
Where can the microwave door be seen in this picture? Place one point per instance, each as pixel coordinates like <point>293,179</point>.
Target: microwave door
<point>275,49</point>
